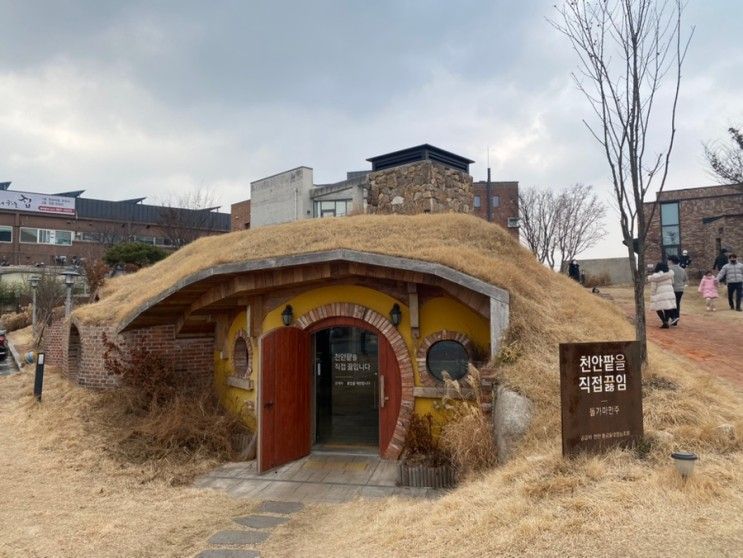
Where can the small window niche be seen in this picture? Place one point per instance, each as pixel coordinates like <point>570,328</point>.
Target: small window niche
<point>241,364</point>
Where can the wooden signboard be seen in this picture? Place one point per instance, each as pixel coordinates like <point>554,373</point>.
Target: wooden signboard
<point>601,395</point>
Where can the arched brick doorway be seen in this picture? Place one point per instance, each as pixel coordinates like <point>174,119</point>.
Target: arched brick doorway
<point>74,352</point>
<point>395,364</point>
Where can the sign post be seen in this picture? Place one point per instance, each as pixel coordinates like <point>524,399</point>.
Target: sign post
<point>39,378</point>
<point>601,395</point>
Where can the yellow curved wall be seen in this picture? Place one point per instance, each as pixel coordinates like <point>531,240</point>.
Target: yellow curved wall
<point>435,315</point>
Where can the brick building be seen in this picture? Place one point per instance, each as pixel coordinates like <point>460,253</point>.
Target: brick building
<point>56,228</point>
<point>420,179</point>
<point>701,220</point>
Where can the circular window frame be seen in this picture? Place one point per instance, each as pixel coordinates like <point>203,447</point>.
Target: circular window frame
<point>459,346</point>
<point>247,368</point>
<point>426,378</point>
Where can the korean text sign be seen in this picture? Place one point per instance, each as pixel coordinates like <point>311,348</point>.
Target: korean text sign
<point>601,395</point>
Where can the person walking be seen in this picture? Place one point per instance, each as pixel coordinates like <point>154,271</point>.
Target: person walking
<point>680,281</point>
<point>732,273</point>
<point>662,297</point>
<point>721,259</point>
<point>684,260</point>
<point>574,271</point>
<point>708,288</point>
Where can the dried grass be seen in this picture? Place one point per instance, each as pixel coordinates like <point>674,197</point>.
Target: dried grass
<point>65,492</point>
<point>541,505</point>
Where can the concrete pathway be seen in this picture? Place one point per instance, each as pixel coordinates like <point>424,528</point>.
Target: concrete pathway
<point>321,477</point>
<point>249,531</point>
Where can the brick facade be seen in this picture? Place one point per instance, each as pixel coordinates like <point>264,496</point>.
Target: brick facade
<point>506,206</point>
<point>77,349</point>
<point>240,216</point>
<point>709,218</point>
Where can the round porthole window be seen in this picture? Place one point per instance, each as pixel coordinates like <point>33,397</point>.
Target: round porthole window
<point>448,357</point>
<point>241,358</point>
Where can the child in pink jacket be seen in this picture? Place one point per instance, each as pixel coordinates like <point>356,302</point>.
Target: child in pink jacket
<point>708,288</point>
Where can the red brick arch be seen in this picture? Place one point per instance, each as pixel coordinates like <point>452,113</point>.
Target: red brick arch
<point>383,327</point>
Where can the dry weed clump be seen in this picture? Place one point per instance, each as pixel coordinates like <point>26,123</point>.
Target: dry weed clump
<point>16,320</point>
<point>467,435</point>
<point>157,416</point>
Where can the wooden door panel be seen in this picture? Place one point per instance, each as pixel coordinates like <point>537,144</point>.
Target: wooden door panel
<point>388,414</point>
<point>285,397</point>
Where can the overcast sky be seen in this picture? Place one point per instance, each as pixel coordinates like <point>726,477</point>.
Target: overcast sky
<point>128,99</point>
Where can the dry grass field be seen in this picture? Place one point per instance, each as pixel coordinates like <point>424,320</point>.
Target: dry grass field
<point>69,495</point>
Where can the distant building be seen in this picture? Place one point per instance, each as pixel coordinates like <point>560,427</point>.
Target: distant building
<point>420,179</point>
<point>55,229</point>
<point>701,220</point>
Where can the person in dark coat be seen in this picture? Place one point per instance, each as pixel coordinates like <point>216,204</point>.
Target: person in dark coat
<point>721,260</point>
<point>684,259</point>
<point>574,271</point>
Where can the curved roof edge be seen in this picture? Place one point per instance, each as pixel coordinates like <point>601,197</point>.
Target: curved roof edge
<point>342,254</point>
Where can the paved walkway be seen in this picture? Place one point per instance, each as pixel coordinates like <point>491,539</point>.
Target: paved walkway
<point>319,477</point>
<point>712,340</point>
<point>249,531</point>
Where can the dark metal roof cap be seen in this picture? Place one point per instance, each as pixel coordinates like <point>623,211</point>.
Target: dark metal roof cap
<point>424,152</point>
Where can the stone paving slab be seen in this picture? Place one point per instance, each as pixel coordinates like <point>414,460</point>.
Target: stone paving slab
<point>271,506</point>
<point>228,553</point>
<point>261,521</point>
<point>238,537</point>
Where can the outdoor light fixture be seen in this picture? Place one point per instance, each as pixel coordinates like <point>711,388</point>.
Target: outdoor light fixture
<point>287,315</point>
<point>69,280</point>
<point>395,315</point>
<point>34,282</point>
<point>684,462</point>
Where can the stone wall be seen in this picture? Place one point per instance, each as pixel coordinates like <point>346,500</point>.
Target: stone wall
<point>420,187</point>
<point>78,349</point>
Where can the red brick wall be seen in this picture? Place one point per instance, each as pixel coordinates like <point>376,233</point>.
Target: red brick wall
<point>194,357</point>
<point>240,215</point>
<point>508,195</point>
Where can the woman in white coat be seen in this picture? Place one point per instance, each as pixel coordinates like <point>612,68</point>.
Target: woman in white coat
<point>662,297</point>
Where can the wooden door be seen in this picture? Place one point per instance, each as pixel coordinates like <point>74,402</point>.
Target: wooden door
<point>390,394</point>
<point>284,398</point>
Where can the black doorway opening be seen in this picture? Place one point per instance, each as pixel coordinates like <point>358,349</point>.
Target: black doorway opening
<point>346,386</point>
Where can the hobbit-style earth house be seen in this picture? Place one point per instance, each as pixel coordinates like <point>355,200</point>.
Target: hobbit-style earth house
<point>317,333</point>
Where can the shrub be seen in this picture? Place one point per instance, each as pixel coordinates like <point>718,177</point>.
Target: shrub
<point>96,272</point>
<point>467,437</point>
<point>16,320</point>
<point>421,444</point>
<point>167,416</point>
<point>135,253</point>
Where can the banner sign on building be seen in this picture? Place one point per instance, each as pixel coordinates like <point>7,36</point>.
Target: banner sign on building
<point>37,203</point>
<point>601,395</point>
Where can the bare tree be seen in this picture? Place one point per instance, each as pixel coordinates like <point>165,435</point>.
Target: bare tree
<point>627,50</point>
<point>184,218</point>
<point>726,162</point>
<point>563,224</point>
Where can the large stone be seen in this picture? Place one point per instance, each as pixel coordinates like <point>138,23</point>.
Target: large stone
<point>511,418</point>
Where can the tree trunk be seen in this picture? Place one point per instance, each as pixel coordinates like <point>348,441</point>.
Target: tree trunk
<point>639,291</point>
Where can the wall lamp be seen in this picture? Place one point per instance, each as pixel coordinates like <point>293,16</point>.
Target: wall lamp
<point>395,315</point>
<point>287,316</point>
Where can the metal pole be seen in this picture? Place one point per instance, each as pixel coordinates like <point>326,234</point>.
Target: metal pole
<point>488,191</point>
<point>68,302</point>
<point>39,377</point>
<point>33,311</point>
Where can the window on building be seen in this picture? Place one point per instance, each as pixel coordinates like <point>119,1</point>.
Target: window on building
<point>476,202</point>
<point>333,208</point>
<point>448,357</point>
<point>496,201</point>
<point>6,234</point>
<point>670,227</point>
<point>46,236</point>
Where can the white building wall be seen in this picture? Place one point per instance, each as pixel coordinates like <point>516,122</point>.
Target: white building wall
<point>281,198</point>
